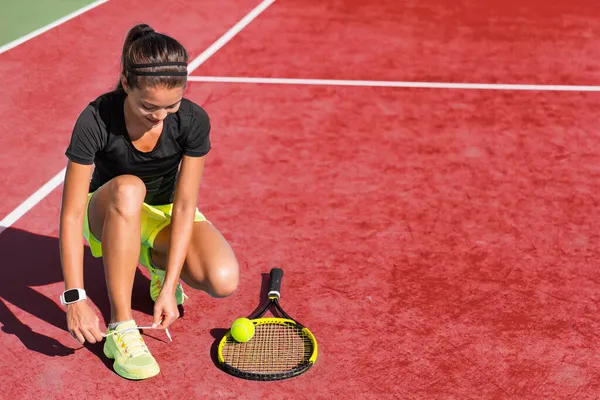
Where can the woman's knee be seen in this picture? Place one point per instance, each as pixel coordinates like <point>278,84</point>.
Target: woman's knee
<point>219,280</point>
<point>127,194</point>
<point>224,279</point>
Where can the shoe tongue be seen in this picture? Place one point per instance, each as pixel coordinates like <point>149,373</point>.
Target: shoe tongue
<point>126,325</point>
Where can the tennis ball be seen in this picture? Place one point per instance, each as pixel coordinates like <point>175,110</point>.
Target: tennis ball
<point>242,329</point>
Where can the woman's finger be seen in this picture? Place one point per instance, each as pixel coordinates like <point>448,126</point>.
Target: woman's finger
<point>88,336</point>
<point>78,336</point>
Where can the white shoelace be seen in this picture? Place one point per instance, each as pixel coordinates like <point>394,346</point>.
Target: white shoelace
<point>134,345</point>
<point>137,328</point>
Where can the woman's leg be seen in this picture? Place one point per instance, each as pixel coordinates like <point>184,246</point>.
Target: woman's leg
<point>114,215</point>
<point>210,264</point>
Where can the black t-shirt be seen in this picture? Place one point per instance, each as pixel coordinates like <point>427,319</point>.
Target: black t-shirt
<point>100,137</point>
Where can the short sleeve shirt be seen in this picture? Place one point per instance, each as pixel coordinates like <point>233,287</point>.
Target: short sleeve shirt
<point>100,137</point>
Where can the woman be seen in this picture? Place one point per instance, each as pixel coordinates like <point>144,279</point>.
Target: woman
<point>135,162</point>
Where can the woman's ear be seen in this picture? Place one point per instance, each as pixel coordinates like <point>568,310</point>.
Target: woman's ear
<point>124,84</point>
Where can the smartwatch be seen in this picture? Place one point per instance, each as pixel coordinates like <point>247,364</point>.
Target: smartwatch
<point>72,296</point>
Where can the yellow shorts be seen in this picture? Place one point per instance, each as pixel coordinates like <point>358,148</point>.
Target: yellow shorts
<point>154,219</point>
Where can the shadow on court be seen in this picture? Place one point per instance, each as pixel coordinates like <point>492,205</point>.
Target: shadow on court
<point>31,260</point>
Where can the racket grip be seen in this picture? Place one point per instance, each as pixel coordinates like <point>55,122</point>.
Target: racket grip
<point>275,284</point>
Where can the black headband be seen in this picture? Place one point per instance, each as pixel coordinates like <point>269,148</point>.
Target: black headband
<point>165,73</point>
<point>133,68</point>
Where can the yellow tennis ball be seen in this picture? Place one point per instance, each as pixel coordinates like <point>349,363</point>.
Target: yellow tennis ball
<point>242,329</point>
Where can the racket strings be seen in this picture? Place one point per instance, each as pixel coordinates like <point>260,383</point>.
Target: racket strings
<point>274,348</point>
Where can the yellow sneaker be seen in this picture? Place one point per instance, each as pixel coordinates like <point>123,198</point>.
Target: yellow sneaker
<point>132,358</point>
<point>157,278</point>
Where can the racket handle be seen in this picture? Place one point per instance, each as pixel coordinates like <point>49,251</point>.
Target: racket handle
<point>275,284</point>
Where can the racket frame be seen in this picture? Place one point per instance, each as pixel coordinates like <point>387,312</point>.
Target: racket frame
<point>256,318</point>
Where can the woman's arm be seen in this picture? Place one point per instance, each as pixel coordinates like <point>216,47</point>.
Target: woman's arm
<point>184,208</point>
<point>74,201</point>
<point>82,321</point>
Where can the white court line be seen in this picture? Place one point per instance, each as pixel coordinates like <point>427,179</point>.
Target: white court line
<point>46,28</point>
<point>234,30</point>
<point>205,55</point>
<point>49,186</point>
<point>394,84</point>
<point>32,201</point>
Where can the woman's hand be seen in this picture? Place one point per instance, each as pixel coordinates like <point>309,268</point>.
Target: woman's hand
<point>165,309</point>
<point>83,323</point>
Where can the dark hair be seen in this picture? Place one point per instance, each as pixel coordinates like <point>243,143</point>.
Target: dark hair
<point>143,45</point>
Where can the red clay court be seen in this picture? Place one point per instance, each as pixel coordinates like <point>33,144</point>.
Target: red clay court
<point>440,242</point>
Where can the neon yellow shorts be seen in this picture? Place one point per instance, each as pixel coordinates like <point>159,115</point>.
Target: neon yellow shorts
<point>154,219</point>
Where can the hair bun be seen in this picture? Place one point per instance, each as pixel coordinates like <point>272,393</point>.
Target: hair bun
<point>146,29</point>
<point>139,31</point>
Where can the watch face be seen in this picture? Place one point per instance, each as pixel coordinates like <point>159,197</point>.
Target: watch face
<point>71,295</point>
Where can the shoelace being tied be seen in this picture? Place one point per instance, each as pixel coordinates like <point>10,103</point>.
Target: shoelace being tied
<point>137,328</point>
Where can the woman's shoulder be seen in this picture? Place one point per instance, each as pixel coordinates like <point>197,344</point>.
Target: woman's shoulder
<point>189,109</point>
<point>108,101</point>
<point>192,118</point>
<point>100,114</point>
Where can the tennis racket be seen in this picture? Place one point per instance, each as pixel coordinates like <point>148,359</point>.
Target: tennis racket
<point>281,347</point>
